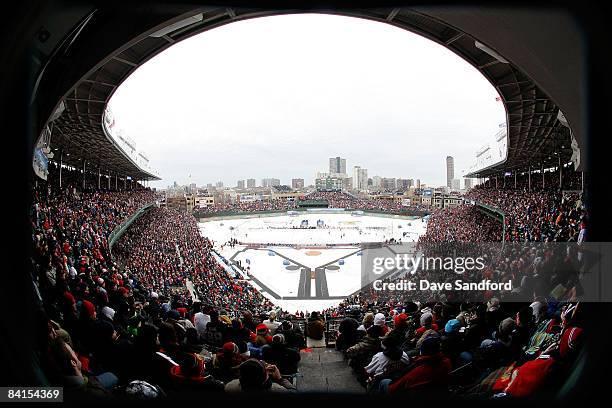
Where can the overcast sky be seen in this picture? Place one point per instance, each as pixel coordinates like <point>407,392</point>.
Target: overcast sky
<point>278,96</point>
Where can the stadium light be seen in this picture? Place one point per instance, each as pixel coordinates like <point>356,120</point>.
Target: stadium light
<point>178,25</point>
<point>489,51</point>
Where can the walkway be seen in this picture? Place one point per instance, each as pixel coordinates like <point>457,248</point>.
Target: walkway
<point>325,370</point>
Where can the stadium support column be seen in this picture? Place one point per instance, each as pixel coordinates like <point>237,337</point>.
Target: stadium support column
<point>116,182</point>
<point>560,174</point>
<point>84,161</point>
<point>515,180</point>
<point>125,182</point>
<point>582,181</point>
<point>529,178</point>
<point>543,182</point>
<point>495,181</point>
<point>60,167</point>
<point>109,178</point>
<point>99,175</point>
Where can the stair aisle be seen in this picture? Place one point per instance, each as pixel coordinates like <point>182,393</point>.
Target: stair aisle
<point>325,370</point>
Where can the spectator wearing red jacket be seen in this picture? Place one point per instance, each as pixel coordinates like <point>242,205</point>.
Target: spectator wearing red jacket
<point>430,370</point>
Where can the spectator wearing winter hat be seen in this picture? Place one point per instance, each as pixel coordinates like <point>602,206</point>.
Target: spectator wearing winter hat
<point>262,334</point>
<point>452,341</point>
<point>379,320</point>
<point>426,324</point>
<point>226,361</point>
<point>190,375</point>
<point>85,333</point>
<point>386,363</point>
<point>282,356</point>
<point>257,376</point>
<point>293,335</point>
<point>400,328</point>
<point>361,353</point>
<point>347,334</point>
<point>107,314</point>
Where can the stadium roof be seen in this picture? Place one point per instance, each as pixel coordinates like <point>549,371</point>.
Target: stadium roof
<point>519,52</point>
<point>81,136</point>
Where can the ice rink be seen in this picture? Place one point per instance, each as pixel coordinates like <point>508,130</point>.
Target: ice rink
<point>288,261</point>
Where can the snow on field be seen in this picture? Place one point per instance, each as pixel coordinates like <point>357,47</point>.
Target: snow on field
<point>337,229</point>
<point>311,259</point>
<point>347,279</point>
<point>283,235</point>
<point>271,271</point>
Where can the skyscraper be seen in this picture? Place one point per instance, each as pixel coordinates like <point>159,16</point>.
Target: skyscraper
<point>270,182</point>
<point>337,165</point>
<point>250,183</point>
<point>360,178</point>
<point>241,184</point>
<point>450,171</point>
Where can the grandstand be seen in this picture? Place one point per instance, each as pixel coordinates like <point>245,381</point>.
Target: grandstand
<point>161,317</point>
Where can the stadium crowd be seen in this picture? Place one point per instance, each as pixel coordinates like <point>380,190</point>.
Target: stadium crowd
<point>124,325</point>
<point>249,206</point>
<point>337,199</point>
<point>541,216</point>
<point>164,249</point>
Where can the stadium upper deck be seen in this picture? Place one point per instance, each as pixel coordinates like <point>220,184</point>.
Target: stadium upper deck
<point>103,46</point>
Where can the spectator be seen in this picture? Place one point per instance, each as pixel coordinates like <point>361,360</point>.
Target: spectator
<point>280,355</point>
<point>316,326</point>
<point>257,376</point>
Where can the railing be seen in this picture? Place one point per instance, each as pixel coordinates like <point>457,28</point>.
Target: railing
<point>120,229</point>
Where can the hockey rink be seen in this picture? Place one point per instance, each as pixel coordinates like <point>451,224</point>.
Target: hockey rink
<point>288,257</point>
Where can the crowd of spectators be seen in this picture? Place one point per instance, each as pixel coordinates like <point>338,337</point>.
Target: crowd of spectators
<point>337,199</point>
<point>250,206</point>
<point>164,249</point>
<point>124,325</point>
<point>480,349</point>
<point>541,215</point>
<point>334,200</point>
<point>463,223</point>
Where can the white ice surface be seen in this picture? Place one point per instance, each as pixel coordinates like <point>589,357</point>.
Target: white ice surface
<point>275,233</point>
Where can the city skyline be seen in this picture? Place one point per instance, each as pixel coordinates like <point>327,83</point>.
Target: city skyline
<point>243,183</point>
<point>262,122</point>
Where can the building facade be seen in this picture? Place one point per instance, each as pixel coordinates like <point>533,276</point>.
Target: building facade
<point>456,185</point>
<point>450,171</point>
<point>329,183</point>
<point>337,165</point>
<point>297,183</point>
<point>360,178</point>
<point>270,182</point>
